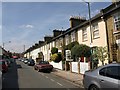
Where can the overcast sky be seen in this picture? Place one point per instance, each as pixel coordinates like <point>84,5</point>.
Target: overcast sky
<point>25,23</point>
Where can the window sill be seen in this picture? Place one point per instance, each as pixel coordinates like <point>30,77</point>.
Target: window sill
<point>84,40</point>
<point>96,37</point>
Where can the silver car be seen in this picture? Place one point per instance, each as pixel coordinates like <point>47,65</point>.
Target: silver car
<point>104,77</point>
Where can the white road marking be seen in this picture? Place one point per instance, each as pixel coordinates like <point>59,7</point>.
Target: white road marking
<point>42,74</point>
<point>46,76</point>
<point>59,84</point>
<point>52,80</point>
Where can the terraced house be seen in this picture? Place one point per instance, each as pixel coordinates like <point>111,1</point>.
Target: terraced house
<point>105,27</point>
<point>111,16</point>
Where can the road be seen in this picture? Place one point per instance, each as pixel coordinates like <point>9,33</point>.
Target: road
<point>21,75</point>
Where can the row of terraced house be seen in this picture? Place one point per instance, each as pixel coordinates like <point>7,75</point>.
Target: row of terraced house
<point>105,31</point>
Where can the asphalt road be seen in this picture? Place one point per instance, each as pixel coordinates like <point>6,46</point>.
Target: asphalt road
<point>21,76</point>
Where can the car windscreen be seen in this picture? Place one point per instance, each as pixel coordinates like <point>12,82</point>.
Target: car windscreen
<point>43,62</point>
<point>31,60</point>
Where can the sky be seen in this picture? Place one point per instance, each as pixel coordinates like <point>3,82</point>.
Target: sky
<point>25,23</point>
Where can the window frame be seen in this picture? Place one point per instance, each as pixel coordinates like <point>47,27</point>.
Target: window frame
<point>116,19</point>
<point>84,34</point>
<point>94,29</point>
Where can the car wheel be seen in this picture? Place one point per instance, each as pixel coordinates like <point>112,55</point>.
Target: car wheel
<point>93,87</point>
<point>38,70</point>
<point>35,68</point>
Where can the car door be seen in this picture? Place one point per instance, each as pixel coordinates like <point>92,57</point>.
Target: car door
<point>109,77</point>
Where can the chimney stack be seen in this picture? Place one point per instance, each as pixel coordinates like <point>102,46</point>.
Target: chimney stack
<point>76,20</point>
<point>57,32</point>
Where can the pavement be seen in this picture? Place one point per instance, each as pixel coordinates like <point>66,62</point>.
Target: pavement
<point>70,76</point>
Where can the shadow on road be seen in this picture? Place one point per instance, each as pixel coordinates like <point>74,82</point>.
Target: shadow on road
<point>10,79</point>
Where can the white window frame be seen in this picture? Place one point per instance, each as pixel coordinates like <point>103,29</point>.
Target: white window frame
<point>73,36</point>
<point>117,21</point>
<point>84,34</point>
<point>95,28</point>
<point>61,42</point>
<point>66,39</point>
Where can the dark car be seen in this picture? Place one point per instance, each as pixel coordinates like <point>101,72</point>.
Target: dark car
<point>31,62</point>
<point>102,78</point>
<point>4,66</point>
<point>43,66</point>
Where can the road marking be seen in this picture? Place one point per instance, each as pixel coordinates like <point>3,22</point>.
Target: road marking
<point>52,80</point>
<point>59,84</point>
<point>42,74</point>
<point>46,76</point>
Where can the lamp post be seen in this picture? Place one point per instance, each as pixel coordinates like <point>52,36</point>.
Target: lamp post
<point>24,48</point>
<point>89,13</point>
<point>91,41</point>
<point>5,43</point>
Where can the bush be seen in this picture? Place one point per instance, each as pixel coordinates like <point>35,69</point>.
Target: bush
<point>81,51</point>
<point>54,50</point>
<point>57,57</point>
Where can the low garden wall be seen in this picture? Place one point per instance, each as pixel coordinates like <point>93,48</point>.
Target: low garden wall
<point>57,65</point>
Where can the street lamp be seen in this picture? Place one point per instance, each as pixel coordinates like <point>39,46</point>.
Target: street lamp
<point>91,41</point>
<point>89,11</point>
<point>5,43</point>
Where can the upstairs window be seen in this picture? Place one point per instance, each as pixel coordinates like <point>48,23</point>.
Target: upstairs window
<point>66,39</point>
<point>72,36</point>
<point>84,34</point>
<point>95,30</point>
<point>60,42</point>
<point>117,21</point>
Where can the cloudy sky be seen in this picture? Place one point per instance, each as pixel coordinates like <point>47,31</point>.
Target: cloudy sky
<point>25,23</point>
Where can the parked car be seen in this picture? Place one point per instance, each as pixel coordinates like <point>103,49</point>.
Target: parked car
<point>26,61</point>
<point>31,62</point>
<point>104,77</point>
<point>43,66</point>
<point>4,66</point>
<point>22,60</point>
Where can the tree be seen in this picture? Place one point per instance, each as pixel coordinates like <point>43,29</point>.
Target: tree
<point>54,50</point>
<point>101,53</point>
<point>71,45</point>
<point>81,51</point>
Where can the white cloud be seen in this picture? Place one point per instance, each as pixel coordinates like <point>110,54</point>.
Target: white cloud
<point>28,26</point>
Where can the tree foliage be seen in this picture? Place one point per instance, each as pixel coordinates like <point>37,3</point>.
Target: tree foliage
<point>57,57</point>
<point>81,51</point>
<point>54,50</point>
<point>101,53</point>
<point>71,45</point>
